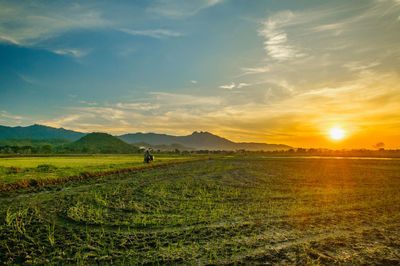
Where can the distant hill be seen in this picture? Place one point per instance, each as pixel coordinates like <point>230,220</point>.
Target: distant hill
<point>101,143</point>
<point>39,132</point>
<point>149,138</point>
<point>201,141</point>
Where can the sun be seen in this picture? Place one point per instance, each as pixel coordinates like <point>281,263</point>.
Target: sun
<point>336,133</point>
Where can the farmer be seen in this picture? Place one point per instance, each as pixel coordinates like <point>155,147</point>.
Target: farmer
<point>148,157</point>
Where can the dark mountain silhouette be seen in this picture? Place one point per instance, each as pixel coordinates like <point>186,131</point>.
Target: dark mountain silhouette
<point>149,138</point>
<point>39,132</point>
<point>200,140</point>
<point>102,143</point>
<point>197,140</point>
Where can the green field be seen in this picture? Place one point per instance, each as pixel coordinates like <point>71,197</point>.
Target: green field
<point>21,168</point>
<point>244,210</point>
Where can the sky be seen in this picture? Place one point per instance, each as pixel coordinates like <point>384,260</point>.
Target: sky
<point>264,71</point>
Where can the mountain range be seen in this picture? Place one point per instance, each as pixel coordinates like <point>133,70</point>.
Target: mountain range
<point>39,132</point>
<point>200,141</point>
<point>196,140</point>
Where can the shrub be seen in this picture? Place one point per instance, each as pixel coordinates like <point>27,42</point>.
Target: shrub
<point>45,168</point>
<point>13,170</point>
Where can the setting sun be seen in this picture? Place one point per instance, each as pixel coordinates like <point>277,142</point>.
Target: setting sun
<point>336,133</point>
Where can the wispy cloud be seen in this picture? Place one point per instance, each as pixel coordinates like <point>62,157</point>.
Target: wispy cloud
<point>293,120</point>
<point>254,70</point>
<point>276,42</point>
<point>33,21</point>
<point>66,120</point>
<point>72,52</point>
<point>155,33</point>
<point>88,103</point>
<point>35,24</point>
<point>8,39</point>
<point>7,118</point>
<point>359,66</point>
<point>6,114</point>
<point>234,85</point>
<point>28,79</point>
<point>228,86</point>
<point>185,99</point>
<point>178,9</point>
<point>242,85</point>
<point>152,113</point>
<point>303,48</point>
<point>141,106</point>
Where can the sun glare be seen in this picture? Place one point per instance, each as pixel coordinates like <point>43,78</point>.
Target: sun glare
<point>336,133</point>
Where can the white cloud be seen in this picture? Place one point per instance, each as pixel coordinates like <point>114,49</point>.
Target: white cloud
<point>193,81</point>
<point>165,98</point>
<point>177,9</point>
<point>242,84</point>
<point>72,52</point>
<point>254,70</point>
<point>142,106</point>
<point>229,86</point>
<point>6,114</point>
<point>34,21</point>
<point>302,48</point>
<point>64,120</point>
<point>88,103</point>
<point>234,85</point>
<point>359,66</point>
<point>276,41</point>
<point>159,112</point>
<point>336,28</point>
<point>330,92</point>
<point>8,39</point>
<point>28,79</point>
<point>156,33</point>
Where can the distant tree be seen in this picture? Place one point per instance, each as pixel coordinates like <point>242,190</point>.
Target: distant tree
<point>379,145</point>
<point>26,149</point>
<point>45,149</point>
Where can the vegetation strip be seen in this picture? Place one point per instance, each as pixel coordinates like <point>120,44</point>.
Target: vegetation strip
<point>87,175</point>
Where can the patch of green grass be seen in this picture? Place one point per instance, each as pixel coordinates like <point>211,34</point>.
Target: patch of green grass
<point>234,210</point>
<point>24,168</point>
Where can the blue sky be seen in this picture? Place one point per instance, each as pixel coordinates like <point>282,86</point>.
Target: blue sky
<point>271,71</point>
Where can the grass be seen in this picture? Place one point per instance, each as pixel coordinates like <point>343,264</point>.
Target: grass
<point>236,210</point>
<point>25,168</point>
